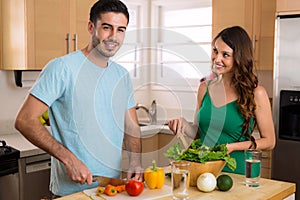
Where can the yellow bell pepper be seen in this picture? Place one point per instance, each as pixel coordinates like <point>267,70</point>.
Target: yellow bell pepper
<point>154,176</point>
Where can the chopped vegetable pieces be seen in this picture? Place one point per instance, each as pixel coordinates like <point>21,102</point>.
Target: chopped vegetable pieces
<point>100,190</point>
<point>110,190</point>
<point>120,188</point>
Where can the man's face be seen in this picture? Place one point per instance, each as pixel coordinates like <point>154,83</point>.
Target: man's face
<point>108,34</point>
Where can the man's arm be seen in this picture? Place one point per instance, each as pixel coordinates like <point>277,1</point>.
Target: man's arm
<point>27,122</point>
<point>132,140</point>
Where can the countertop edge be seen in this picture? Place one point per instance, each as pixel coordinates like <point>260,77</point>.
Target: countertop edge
<point>285,193</point>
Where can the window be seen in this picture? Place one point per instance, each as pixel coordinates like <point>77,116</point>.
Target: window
<point>175,50</point>
<point>184,41</point>
<point>131,55</point>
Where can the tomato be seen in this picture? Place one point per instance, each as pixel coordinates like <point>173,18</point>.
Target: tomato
<point>134,187</point>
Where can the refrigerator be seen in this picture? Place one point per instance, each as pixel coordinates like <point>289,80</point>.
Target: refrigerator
<point>286,100</point>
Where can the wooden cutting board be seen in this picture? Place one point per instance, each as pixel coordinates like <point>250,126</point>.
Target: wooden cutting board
<point>147,194</point>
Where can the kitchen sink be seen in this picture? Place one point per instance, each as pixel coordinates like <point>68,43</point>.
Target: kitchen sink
<point>143,124</point>
<point>148,129</point>
<point>159,122</point>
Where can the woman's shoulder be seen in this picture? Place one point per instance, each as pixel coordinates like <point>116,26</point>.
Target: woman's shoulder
<point>260,94</point>
<point>260,91</point>
<point>201,92</point>
<point>202,88</point>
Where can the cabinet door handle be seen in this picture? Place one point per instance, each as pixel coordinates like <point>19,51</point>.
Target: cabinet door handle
<point>68,42</point>
<point>75,39</point>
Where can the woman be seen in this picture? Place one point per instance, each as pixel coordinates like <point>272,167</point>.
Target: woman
<point>230,105</point>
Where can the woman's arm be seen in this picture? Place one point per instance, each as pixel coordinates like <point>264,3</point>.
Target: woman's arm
<point>265,124</point>
<point>200,94</point>
<point>264,119</point>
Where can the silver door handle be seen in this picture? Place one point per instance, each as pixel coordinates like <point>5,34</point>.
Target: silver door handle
<point>75,39</point>
<point>68,42</point>
<point>39,166</point>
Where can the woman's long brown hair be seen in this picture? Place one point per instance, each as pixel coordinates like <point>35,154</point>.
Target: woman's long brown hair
<point>244,79</point>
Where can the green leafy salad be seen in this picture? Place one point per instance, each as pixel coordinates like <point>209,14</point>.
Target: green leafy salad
<point>201,153</point>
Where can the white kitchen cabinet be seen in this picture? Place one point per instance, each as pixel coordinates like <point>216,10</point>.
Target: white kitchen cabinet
<point>34,31</point>
<point>257,17</point>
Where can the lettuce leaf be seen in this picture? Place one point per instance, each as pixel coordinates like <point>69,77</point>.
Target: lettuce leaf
<point>201,153</point>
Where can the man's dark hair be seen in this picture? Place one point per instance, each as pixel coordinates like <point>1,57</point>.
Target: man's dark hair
<point>104,6</point>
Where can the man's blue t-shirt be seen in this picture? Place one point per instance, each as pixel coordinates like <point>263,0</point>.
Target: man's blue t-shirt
<point>87,107</point>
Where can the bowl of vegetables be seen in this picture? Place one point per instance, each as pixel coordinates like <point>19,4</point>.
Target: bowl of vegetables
<point>196,169</point>
<point>202,158</point>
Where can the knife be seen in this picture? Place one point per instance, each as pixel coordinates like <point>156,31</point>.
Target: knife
<point>104,181</point>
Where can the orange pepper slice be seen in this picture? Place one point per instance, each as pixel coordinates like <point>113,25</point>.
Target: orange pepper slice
<point>100,190</point>
<point>110,190</point>
<point>120,188</point>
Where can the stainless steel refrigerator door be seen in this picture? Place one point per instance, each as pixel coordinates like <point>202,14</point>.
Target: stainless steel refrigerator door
<point>286,59</point>
<point>285,159</point>
<point>287,56</point>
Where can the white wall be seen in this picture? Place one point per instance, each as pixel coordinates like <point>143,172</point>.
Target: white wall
<point>11,98</point>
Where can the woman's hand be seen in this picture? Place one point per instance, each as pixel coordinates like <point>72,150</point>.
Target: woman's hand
<point>229,148</point>
<point>181,126</point>
<point>175,125</point>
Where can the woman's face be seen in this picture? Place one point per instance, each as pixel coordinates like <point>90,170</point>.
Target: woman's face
<point>222,57</point>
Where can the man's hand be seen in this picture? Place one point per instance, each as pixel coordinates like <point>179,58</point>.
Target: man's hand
<point>136,173</point>
<point>77,171</point>
<point>132,141</point>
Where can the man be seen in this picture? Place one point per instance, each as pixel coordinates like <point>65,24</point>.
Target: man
<point>91,105</point>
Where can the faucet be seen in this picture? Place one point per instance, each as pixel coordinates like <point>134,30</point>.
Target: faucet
<point>151,111</point>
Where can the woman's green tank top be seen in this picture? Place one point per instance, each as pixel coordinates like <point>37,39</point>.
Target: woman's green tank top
<point>222,125</point>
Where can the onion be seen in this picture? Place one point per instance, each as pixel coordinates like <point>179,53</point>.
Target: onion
<point>206,182</point>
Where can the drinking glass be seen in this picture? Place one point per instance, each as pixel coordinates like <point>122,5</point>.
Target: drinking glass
<point>253,167</point>
<point>180,179</point>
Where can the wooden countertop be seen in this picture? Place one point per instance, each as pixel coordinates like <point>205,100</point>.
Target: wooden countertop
<point>268,189</point>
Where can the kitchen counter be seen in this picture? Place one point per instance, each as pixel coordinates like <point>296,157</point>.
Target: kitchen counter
<point>268,189</point>
<point>18,141</point>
